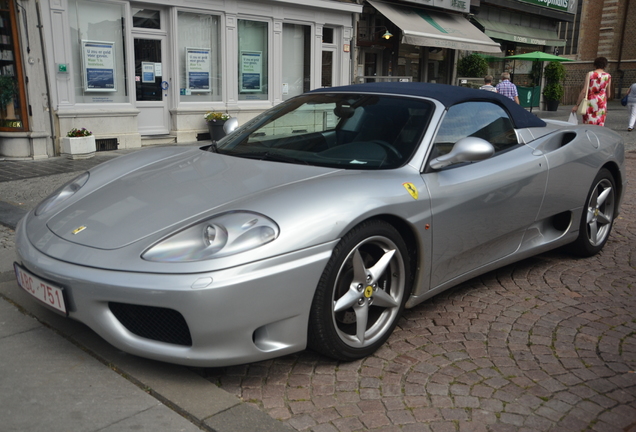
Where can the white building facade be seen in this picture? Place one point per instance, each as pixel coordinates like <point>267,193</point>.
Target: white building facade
<point>137,73</point>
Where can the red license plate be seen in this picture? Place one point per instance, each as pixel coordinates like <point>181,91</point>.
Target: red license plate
<point>47,293</point>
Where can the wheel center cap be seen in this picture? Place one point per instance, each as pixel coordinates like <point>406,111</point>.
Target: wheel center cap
<point>368,291</point>
<point>596,212</point>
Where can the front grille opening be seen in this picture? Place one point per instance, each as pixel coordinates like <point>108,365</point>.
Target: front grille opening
<point>156,323</point>
<point>106,144</point>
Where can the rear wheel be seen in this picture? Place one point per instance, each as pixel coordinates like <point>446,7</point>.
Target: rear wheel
<point>361,293</point>
<point>598,216</point>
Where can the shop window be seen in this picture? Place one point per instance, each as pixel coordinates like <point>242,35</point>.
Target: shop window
<point>13,116</point>
<point>99,56</point>
<point>199,46</point>
<point>296,60</point>
<point>253,56</point>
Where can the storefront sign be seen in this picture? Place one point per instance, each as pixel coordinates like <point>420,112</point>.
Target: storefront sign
<point>98,61</point>
<point>456,5</point>
<point>251,71</point>
<point>530,41</point>
<point>198,69</point>
<point>560,5</point>
<point>147,72</point>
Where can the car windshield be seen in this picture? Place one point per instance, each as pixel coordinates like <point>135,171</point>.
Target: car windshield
<point>354,131</point>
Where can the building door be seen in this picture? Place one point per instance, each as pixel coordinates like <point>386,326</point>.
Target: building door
<point>151,69</point>
<point>151,85</point>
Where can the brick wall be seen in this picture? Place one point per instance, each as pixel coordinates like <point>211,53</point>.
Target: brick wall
<point>608,29</point>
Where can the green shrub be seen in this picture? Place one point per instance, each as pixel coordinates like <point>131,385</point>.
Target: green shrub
<point>554,75</point>
<point>553,91</point>
<point>554,72</point>
<point>472,65</point>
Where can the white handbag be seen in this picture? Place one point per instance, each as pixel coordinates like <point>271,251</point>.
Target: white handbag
<point>582,109</point>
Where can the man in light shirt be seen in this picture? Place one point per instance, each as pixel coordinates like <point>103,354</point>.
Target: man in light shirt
<point>506,88</point>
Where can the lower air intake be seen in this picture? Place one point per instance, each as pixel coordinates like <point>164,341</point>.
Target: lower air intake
<point>160,324</point>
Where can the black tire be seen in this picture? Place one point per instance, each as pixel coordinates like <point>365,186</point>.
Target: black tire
<point>598,216</point>
<point>358,304</point>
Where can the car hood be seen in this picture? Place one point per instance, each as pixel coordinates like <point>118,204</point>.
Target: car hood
<point>172,192</point>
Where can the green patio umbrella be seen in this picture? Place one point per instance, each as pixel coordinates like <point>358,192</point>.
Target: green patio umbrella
<point>538,56</point>
<point>535,56</point>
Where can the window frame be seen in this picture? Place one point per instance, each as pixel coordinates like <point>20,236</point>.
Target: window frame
<point>18,72</point>
<point>507,148</point>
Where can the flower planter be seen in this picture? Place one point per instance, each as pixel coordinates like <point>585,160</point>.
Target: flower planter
<point>79,147</point>
<point>216,129</point>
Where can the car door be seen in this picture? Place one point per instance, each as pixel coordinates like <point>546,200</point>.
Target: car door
<point>481,210</point>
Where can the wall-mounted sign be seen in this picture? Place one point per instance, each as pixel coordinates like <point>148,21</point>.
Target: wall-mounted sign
<point>251,71</point>
<point>98,64</point>
<point>456,5</point>
<point>148,72</point>
<point>198,69</point>
<point>560,5</point>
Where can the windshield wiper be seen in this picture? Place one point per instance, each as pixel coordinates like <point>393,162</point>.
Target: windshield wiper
<point>275,157</point>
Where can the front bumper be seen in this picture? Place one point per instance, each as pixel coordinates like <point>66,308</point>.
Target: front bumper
<point>238,315</point>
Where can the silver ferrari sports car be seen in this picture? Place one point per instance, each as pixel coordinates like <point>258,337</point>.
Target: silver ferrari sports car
<point>316,223</point>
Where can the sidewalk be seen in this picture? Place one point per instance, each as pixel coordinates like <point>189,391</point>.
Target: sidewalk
<point>57,375</point>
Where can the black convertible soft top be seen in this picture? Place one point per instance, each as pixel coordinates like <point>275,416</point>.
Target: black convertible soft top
<point>448,95</point>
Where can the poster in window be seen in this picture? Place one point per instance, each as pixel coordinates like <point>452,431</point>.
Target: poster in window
<point>198,69</point>
<point>148,72</point>
<point>99,66</point>
<point>251,71</point>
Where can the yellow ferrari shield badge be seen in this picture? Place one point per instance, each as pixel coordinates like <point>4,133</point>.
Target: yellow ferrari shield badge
<point>368,291</point>
<point>78,230</point>
<point>411,189</point>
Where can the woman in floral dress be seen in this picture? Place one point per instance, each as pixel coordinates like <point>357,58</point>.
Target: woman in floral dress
<point>599,87</point>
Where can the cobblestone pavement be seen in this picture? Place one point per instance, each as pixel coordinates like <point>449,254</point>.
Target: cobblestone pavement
<point>546,344</point>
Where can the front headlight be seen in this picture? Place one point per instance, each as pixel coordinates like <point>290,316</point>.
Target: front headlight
<point>62,194</point>
<point>220,236</point>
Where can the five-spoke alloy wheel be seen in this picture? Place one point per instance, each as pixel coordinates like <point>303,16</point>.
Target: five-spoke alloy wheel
<point>361,293</point>
<point>598,216</point>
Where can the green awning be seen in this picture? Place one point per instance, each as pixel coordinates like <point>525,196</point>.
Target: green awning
<point>519,34</point>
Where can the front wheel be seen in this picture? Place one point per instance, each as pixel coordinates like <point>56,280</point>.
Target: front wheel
<point>598,216</point>
<point>361,293</point>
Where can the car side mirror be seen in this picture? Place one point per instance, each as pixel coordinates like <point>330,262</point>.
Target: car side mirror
<point>469,149</point>
<point>230,125</point>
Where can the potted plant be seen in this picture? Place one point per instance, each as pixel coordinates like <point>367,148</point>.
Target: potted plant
<point>553,91</point>
<point>215,121</point>
<point>79,144</point>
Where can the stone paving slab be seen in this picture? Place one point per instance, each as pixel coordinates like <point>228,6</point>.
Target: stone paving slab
<point>47,384</point>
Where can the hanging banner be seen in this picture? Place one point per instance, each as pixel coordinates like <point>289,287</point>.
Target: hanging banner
<point>251,71</point>
<point>198,69</point>
<point>98,63</point>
